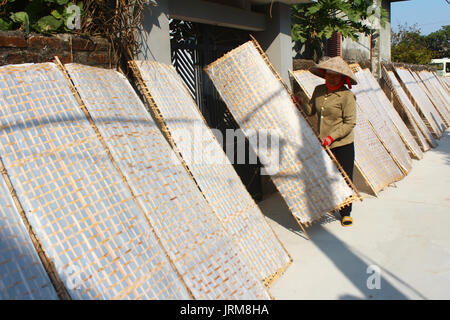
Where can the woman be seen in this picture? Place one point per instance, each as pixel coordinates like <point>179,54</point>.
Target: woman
<point>335,106</point>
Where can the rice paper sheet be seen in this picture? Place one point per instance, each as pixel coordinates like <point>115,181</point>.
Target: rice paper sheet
<point>306,177</point>
<point>371,158</point>
<point>206,160</point>
<point>410,110</point>
<point>380,121</point>
<point>427,79</point>
<point>386,107</point>
<point>84,216</point>
<point>194,238</point>
<point>431,116</point>
<point>22,275</point>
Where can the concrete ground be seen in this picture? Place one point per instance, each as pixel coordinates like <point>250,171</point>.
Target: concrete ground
<point>404,232</point>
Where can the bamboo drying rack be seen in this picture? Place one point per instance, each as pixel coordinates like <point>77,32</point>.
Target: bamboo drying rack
<point>156,112</point>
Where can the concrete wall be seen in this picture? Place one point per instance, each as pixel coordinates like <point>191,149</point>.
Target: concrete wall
<point>385,34</point>
<point>213,13</point>
<point>356,50</point>
<point>276,40</point>
<point>154,37</point>
<point>273,33</point>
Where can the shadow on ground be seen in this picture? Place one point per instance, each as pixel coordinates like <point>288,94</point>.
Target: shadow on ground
<point>353,265</point>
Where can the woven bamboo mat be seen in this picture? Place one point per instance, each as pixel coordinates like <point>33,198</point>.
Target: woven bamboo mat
<point>187,227</point>
<point>431,116</point>
<point>441,88</point>
<point>426,79</point>
<point>371,158</point>
<point>423,79</point>
<point>215,176</point>
<point>425,137</point>
<point>388,109</point>
<point>309,181</point>
<point>380,121</point>
<point>22,275</point>
<point>78,205</point>
<point>445,81</point>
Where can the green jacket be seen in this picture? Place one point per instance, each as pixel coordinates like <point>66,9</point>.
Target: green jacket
<point>336,113</point>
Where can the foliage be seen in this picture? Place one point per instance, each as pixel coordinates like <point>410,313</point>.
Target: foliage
<point>312,23</point>
<point>438,42</point>
<point>115,20</point>
<point>410,46</point>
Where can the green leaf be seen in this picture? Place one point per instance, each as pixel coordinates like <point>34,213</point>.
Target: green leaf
<point>22,18</point>
<point>314,8</point>
<point>5,25</point>
<point>47,24</point>
<point>56,14</point>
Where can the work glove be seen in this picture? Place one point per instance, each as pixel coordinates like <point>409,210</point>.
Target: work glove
<point>327,141</point>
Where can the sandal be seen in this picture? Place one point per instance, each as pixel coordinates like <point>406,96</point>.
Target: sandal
<point>346,221</point>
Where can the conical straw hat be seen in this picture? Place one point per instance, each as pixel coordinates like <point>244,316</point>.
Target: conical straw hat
<point>335,64</point>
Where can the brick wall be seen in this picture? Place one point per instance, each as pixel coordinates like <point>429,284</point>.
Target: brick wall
<point>18,47</point>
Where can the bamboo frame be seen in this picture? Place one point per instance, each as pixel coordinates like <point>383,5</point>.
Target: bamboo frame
<point>277,75</point>
<point>392,115</point>
<point>313,136</point>
<point>378,180</point>
<point>308,95</point>
<point>421,108</point>
<point>391,148</point>
<point>413,118</point>
<point>215,201</point>
<point>197,253</point>
<point>442,89</point>
<point>398,103</point>
<point>433,95</point>
<point>111,158</point>
<point>71,194</point>
<point>445,83</point>
<point>46,262</point>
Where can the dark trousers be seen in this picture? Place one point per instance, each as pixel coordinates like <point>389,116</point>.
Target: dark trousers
<point>345,155</point>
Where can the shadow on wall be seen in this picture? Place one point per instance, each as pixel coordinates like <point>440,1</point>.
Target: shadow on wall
<point>150,21</point>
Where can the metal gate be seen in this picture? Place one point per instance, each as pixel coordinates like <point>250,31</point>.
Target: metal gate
<point>193,46</point>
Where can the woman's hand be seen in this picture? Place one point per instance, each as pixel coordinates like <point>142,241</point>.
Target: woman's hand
<point>327,141</point>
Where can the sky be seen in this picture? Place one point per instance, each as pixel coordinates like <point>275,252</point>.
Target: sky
<point>430,15</point>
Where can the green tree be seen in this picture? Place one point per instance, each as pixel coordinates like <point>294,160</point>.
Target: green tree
<point>438,42</point>
<point>410,46</point>
<point>313,23</point>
